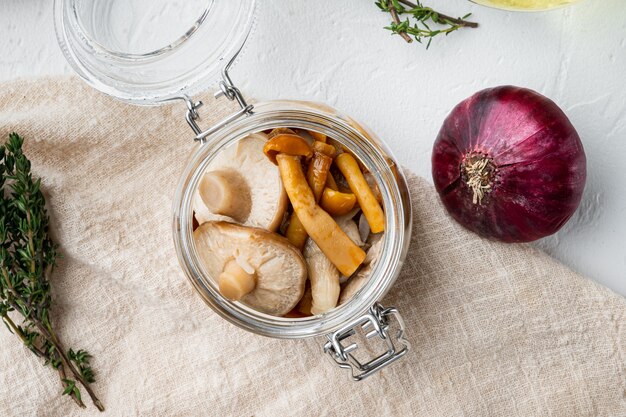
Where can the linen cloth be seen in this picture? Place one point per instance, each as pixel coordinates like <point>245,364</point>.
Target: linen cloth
<point>496,329</point>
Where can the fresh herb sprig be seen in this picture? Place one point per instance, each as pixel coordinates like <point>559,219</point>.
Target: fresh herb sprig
<point>27,257</point>
<point>421,15</point>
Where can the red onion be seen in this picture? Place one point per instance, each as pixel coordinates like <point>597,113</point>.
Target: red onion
<point>509,165</point>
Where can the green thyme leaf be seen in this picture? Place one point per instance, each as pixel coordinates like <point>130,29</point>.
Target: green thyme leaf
<point>420,30</point>
<point>27,258</point>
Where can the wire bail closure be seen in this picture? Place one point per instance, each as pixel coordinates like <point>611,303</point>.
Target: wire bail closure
<point>376,323</point>
<point>228,90</point>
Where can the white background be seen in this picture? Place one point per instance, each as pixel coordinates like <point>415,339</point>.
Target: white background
<point>337,52</point>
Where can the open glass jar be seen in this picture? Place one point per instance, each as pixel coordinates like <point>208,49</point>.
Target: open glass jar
<point>103,52</point>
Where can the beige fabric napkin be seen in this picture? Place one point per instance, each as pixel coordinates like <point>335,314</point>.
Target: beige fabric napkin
<point>497,330</point>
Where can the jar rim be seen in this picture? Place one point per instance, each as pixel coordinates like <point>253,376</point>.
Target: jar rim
<point>189,63</point>
<point>397,219</point>
<point>129,56</point>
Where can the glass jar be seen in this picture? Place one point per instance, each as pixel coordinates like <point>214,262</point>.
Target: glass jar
<point>156,74</point>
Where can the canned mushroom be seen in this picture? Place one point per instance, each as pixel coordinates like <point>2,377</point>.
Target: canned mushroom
<point>289,222</point>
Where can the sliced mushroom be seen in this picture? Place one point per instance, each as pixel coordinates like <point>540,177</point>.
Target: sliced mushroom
<point>356,282</point>
<point>239,256</point>
<point>242,186</point>
<point>323,275</point>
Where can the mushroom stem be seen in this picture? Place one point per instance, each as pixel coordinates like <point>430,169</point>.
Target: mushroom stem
<point>316,177</point>
<point>318,172</point>
<point>361,189</point>
<point>324,231</point>
<point>235,282</point>
<point>296,233</point>
<point>324,148</point>
<point>325,286</point>
<point>226,193</point>
<point>331,183</point>
<point>319,137</point>
<point>304,306</point>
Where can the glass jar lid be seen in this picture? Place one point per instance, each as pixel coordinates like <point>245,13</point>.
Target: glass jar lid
<point>150,51</point>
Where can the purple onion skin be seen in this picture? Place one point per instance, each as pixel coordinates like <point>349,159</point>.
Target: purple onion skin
<point>539,160</point>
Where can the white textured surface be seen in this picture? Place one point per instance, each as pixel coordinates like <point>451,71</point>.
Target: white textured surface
<point>336,52</point>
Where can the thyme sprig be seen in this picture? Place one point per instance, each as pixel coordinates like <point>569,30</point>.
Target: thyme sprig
<point>27,257</point>
<point>421,15</point>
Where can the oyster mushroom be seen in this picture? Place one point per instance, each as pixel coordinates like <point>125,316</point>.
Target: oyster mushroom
<point>323,275</point>
<point>324,278</point>
<point>259,268</point>
<point>356,282</point>
<point>242,186</point>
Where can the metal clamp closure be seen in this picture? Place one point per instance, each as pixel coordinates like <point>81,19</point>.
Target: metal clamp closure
<point>228,90</point>
<point>376,323</point>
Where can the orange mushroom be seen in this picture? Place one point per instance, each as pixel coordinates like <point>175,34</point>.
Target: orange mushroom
<point>316,178</point>
<point>289,144</point>
<point>361,189</point>
<point>319,137</point>
<point>337,203</point>
<point>320,226</point>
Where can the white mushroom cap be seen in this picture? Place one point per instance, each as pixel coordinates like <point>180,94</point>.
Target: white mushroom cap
<point>278,267</point>
<point>259,180</point>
